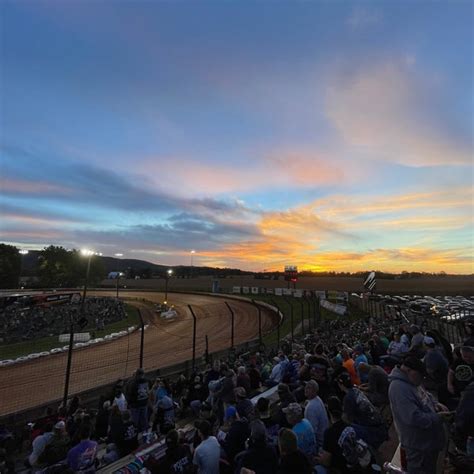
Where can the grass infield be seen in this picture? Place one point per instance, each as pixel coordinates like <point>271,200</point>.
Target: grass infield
<point>12,351</point>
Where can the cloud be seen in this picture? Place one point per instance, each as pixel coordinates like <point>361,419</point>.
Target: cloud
<point>257,171</point>
<point>390,112</point>
<point>361,18</point>
<point>74,182</point>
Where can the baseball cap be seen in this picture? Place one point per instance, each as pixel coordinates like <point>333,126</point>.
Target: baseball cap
<point>293,409</point>
<point>60,425</point>
<point>429,341</point>
<point>414,363</point>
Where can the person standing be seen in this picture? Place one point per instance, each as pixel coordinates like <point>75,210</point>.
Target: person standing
<point>420,428</point>
<point>138,400</point>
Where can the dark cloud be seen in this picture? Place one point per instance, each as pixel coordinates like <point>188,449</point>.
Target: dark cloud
<point>80,183</point>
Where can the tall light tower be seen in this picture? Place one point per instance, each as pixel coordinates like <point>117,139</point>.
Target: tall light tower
<point>22,252</point>
<point>87,253</point>
<point>169,272</point>
<point>192,255</point>
<point>119,274</point>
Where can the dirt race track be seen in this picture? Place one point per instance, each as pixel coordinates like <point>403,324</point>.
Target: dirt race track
<point>39,381</point>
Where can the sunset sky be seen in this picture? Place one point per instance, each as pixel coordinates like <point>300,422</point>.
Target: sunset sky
<point>328,135</point>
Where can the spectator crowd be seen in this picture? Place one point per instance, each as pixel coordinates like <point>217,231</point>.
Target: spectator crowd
<point>22,323</point>
<point>327,403</point>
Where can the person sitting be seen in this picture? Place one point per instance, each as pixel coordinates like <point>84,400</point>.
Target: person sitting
<point>259,456</point>
<point>377,384</point>
<point>128,439</point>
<point>436,366</point>
<point>81,458</point>
<point>331,455</point>
<point>238,433</point>
<point>40,443</point>
<point>244,406</point>
<point>348,364</point>
<point>57,448</point>
<point>207,454</point>
<point>359,358</point>
<point>243,379</point>
<point>292,460</point>
<point>315,412</point>
<point>361,414</point>
<point>303,430</point>
<point>177,459</point>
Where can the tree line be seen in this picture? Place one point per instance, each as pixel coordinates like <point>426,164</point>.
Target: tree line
<point>56,267</point>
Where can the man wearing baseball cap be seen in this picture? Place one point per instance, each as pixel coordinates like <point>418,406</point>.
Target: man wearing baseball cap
<point>420,428</point>
<point>302,429</point>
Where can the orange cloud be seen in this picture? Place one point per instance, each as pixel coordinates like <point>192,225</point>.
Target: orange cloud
<point>299,236</point>
<point>301,168</point>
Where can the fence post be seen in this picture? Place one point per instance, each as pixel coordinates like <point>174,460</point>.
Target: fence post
<point>278,325</point>
<point>69,362</point>
<point>318,310</point>
<point>194,335</point>
<point>305,300</point>
<point>259,322</point>
<point>142,337</point>
<point>302,320</point>
<point>292,323</point>
<point>302,310</point>
<point>232,325</point>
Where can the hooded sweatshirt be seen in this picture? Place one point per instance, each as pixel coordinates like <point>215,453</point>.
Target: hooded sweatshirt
<point>418,426</point>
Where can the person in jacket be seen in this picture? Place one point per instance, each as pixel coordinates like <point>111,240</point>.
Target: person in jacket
<point>259,457</point>
<point>419,427</point>
<point>138,400</point>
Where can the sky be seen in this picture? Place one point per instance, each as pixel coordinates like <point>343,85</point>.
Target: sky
<point>328,135</point>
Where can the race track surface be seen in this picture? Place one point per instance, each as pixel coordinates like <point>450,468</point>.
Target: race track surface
<point>39,381</point>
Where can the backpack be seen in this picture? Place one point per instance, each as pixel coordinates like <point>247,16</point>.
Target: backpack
<point>356,451</point>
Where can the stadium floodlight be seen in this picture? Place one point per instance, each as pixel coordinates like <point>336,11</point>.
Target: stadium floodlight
<point>87,252</point>
<point>23,252</point>
<point>118,254</point>
<point>170,272</point>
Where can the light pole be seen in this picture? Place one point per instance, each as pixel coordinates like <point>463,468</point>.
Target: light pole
<point>119,274</point>
<point>87,253</point>
<point>22,252</point>
<point>169,272</point>
<point>192,255</point>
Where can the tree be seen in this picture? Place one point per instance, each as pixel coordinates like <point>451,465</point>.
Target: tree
<point>10,266</point>
<point>67,268</point>
<point>56,267</point>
